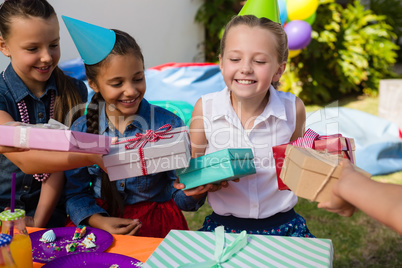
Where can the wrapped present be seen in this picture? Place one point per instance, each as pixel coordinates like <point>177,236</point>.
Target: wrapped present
<point>311,174</point>
<point>219,249</point>
<point>332,144</point>
<point>53,136</point>
<point>223,165</point>
<point>147,153</point>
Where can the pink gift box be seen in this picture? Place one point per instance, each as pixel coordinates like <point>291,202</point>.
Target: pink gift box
<point>51,138</point>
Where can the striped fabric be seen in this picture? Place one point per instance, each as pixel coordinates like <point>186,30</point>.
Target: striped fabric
<point>308,139</point>
<point>181,247</point>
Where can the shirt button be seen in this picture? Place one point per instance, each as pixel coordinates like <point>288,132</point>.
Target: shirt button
<point>26,187</point>
<point>130,127</point>
<point>122,184</point>
<point>40,115</point>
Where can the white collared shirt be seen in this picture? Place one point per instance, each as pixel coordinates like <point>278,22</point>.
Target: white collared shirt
<point>254,196</point>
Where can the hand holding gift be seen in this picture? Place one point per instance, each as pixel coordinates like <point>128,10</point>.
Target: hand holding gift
<point>52,136</point>
<point>217,167</point>
<point>311,174</point>
<point>332,144</point>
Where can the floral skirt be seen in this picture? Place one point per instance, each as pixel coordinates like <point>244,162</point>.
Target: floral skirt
<point>296,227</point>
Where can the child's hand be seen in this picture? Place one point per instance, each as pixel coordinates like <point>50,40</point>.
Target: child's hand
<point>97,159</point>
<point>30,221</point>
<point>200,191</point>
<point>337,204</point>
<point>7,149</point>
<point>115,225</point>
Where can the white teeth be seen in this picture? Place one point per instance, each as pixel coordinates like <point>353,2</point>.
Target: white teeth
<point>245,82</point>
<point>128,101</point>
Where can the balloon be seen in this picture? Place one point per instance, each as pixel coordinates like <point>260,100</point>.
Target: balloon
<point>310,20</point>
<point>301,9</point>
<point>294,53</point>
<point>283,11</point>
<point>299,34</point>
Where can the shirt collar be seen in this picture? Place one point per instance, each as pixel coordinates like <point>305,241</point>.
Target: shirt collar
<point>275,106</point>
<point>143,116</point>
<point>17,87</point>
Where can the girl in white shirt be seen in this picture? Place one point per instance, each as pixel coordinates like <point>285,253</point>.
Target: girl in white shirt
<point>250,113</point>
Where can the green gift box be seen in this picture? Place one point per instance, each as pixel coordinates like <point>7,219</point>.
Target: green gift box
<point>219,249</point>
<point>227,164</point>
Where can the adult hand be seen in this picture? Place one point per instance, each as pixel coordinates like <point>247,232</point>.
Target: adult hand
<point>115,225</point>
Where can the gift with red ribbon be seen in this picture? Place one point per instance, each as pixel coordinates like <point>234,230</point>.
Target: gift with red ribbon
<point>154,151</point>
<point>332,144</point>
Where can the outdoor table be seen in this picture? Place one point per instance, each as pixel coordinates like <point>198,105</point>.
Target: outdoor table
<point>137,247</point>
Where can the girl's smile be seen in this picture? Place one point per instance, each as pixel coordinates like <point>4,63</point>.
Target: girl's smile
<point>34,50</point>
<point>121,82</point>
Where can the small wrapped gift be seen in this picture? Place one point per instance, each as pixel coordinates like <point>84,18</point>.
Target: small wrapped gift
<point>332,144</point>
<point>147,153</point>
<point>219,249</point>
<point>311,174</point>
<point>227,164</point>
<point>53,136</point>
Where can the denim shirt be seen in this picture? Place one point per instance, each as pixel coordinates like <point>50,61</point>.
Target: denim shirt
<point>83,185</point>
<point>12,91</point>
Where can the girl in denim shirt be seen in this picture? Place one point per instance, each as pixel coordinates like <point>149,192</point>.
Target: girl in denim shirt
<point>33,90</point>
<point>144,205</point>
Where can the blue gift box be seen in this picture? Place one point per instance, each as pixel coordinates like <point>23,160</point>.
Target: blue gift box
<point>227,164</point>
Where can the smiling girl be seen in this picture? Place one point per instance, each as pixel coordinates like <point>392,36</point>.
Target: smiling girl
<point>33,90</point>
<point>144,205</point>
<point>250,113</point>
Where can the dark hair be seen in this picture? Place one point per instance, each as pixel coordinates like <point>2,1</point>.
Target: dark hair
<point>125,45</point>
<point>282,50</point>
<point>68,96</point>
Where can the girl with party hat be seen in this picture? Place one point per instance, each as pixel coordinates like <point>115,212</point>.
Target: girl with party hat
<point>145,205</point>
<point>250,113</point>
<point>33,90</point>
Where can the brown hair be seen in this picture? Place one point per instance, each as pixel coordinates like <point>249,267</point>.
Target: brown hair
<point>282,50</point>
<point>68,96</point>
<point>125,45</point>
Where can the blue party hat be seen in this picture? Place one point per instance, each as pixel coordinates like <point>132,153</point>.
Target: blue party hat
<point>93,42</point>
<point>262,8</point>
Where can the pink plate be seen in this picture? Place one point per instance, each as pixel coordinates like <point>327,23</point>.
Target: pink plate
<point>97,259</point>
<point>45,252</point>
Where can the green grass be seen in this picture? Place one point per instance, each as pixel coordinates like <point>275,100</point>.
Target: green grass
<point>358,241</point>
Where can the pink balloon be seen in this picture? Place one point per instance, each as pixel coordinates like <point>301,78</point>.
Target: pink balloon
<point>299,34</point>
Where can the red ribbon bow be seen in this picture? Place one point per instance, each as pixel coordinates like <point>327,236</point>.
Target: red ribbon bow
<point>310,136</point>
<point>140,139</point>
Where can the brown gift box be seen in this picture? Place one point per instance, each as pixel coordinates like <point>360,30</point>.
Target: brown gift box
<point>310,174</point>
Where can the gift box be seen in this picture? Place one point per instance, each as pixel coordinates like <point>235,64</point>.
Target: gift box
<point>211,249</point>
<point>52,137</point>
<point>223,165</point>
<point>147,153</point>
<point>311,174</point>
<point>332,144</point>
